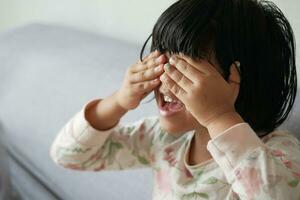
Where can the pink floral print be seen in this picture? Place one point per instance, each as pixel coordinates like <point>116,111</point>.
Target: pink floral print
<point>266,172</point>
<point>251,180</point>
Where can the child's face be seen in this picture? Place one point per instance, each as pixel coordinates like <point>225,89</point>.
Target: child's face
<point>174,117</point>
<point>173,122</point>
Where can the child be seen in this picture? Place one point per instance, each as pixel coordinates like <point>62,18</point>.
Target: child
<point>224,77</point>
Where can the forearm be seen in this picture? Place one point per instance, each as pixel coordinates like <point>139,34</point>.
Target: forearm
<point>106,113</point>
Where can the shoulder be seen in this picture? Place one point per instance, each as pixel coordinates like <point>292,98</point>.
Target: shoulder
<point>282,143</point>
<point>143,124</point>
<point>161,137</point>
<point>280,136</point>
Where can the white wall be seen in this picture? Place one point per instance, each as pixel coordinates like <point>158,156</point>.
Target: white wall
<point>130,20</point>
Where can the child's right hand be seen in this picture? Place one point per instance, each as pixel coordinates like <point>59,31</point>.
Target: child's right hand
<point>140,79</point>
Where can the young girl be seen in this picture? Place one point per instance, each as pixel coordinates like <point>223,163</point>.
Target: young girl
<point>224,77</point>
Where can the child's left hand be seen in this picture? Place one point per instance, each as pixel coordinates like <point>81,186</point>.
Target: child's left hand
<point>203,90</point>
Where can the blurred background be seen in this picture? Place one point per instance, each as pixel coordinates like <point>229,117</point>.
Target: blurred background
<point>130,20</point>
<point>55,56</point>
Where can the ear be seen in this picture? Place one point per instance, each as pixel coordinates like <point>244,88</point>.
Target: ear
<point>235,79</point>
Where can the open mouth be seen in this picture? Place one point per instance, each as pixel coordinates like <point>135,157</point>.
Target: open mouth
<point>168,104</point>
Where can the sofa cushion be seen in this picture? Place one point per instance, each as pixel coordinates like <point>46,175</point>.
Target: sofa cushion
<point>47,74</point>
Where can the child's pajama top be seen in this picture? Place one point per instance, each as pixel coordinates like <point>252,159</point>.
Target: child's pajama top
<point>243,165</point>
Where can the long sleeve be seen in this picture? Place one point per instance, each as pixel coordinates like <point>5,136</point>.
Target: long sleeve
<point>255,168</point>
<point>80,146</point>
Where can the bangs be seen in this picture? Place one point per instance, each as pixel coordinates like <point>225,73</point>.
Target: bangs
<point>188,28</point>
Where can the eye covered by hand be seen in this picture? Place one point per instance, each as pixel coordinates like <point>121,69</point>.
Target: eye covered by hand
<point>200,86</point>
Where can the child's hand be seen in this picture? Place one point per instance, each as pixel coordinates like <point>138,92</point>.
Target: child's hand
<point>203,90</point>
<point>140,79</point>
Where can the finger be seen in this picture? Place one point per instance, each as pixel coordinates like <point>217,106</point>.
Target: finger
<point>145,94</point>
<point>153,54</point>
<point>235,73</point>
<point>150,63</point>
<point>147,74</point>
<point>178,77</point>
<point>145,86</point>
<point>179,92</point>
<point>200,65</point>
<point>189,71</point>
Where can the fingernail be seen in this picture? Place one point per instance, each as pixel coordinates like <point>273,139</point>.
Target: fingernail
<point>167,66</point>
<point>159,59</point>
<point>237,63</point>
<point>157,69</point>
<point>155,80</point>
<point>172,59</point>
<point>162,77</point>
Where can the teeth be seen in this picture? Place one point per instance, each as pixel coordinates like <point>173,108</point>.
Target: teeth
<point>167,98</point>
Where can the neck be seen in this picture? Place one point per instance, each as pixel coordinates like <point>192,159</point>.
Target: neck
<point>198,150</point>
<point>201,136</point>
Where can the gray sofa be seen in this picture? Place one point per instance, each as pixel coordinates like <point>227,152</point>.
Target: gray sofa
<point>47,74</point>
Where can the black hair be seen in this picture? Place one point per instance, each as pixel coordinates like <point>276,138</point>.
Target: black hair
<point>256,33</point>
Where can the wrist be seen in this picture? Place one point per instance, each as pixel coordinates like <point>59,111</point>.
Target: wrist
<point>223,122</point>
<point>118,103</point>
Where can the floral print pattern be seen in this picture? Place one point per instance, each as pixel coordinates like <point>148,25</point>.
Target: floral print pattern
<point>254,169</point>
<point>250,179</point>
